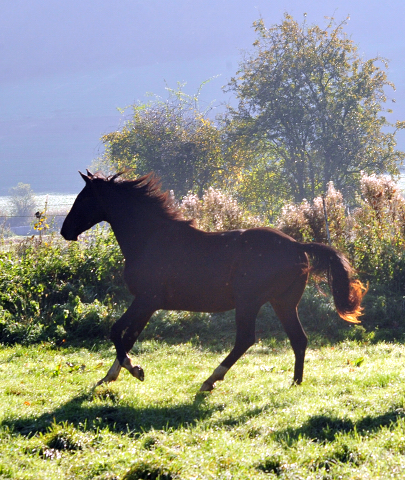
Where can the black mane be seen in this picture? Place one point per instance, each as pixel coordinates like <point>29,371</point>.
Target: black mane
<point>146,190</point>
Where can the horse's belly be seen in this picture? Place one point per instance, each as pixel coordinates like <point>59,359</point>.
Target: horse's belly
<point>200,299</point>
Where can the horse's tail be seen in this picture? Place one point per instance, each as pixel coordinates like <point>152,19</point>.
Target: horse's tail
<point>347,293</point>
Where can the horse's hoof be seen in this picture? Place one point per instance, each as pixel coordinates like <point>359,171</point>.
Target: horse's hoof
<point>138,373</point>
<point>103,380</point>
<point>206,387</point>
<point>200,397</point>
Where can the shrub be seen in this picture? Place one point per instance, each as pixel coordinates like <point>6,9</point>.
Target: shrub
<point>217,211</point>
<point>51,287</point>
<point>378,232</point>
<point>56,290</point>
<point>22,203</point>
<point>306,221</point>
<point>372,235</point>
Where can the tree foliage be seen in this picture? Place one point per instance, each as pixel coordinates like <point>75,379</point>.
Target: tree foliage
<point>173,138</point>
<point>307,96</point>
<point>22,200</point>
<point>372,235</point>
<point>259,183</point>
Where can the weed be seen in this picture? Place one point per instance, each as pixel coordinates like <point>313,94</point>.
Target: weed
<point>145,470</point>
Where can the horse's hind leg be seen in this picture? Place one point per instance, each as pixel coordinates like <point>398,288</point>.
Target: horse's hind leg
<point>124,333</point>
<point>286,310</point>
<point>298,339</point>
<point>245,337</point>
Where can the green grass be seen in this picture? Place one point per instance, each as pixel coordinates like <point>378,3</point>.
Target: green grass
<point>346,421</point>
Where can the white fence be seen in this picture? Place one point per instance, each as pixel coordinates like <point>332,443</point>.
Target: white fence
<point>57,206</point>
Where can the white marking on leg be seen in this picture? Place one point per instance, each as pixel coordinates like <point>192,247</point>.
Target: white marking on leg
<point>112,374</point>
<point>218,374</point>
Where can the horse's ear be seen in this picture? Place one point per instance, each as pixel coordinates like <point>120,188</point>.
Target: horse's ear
<point>85,177</point>
<point>89,174</point>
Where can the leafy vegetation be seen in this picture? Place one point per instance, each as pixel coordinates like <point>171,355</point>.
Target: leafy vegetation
<point>50,289</point>
<point>176,140</point>
<point>217,211</point>
<point>372,234</point>
<point>310,111</point>
<point>309,99</point>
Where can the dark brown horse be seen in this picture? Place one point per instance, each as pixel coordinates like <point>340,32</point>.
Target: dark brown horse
<point>172,265</point>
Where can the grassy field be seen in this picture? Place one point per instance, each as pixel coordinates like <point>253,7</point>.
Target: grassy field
<point>346,421</point>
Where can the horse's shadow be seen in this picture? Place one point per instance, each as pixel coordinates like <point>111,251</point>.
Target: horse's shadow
<point>85,412</point>
<point>325,428</point>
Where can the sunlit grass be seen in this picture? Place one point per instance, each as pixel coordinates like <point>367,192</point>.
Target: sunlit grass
<point>347,420</point>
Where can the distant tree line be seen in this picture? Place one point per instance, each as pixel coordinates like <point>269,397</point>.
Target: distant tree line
<point>309,111</point>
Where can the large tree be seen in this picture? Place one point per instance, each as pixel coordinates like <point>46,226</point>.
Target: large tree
<point>175,139</point>
<point>306,95</point>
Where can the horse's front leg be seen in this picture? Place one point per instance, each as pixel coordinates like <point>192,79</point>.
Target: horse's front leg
<point>124,333</point>
<point>112,373</point>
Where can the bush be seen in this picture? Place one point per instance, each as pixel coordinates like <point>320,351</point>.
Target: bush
<point>306,221</point>
<point>67,291</point>
<point>217,211</point>
<point>22,204</point>
<point>372,235</point>
<point>52,288</point>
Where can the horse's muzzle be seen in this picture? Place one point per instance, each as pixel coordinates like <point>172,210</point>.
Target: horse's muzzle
<point>68,235</point>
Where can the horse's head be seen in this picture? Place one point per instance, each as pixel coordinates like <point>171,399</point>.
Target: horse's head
<point>86,211</point>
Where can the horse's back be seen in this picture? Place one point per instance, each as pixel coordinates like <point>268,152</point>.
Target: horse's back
<point>269,263</point>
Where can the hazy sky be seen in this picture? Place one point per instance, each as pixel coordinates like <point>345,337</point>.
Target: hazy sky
<point>66,66</point>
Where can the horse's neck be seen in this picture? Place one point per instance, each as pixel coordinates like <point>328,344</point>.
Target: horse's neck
<point>134,231</point>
